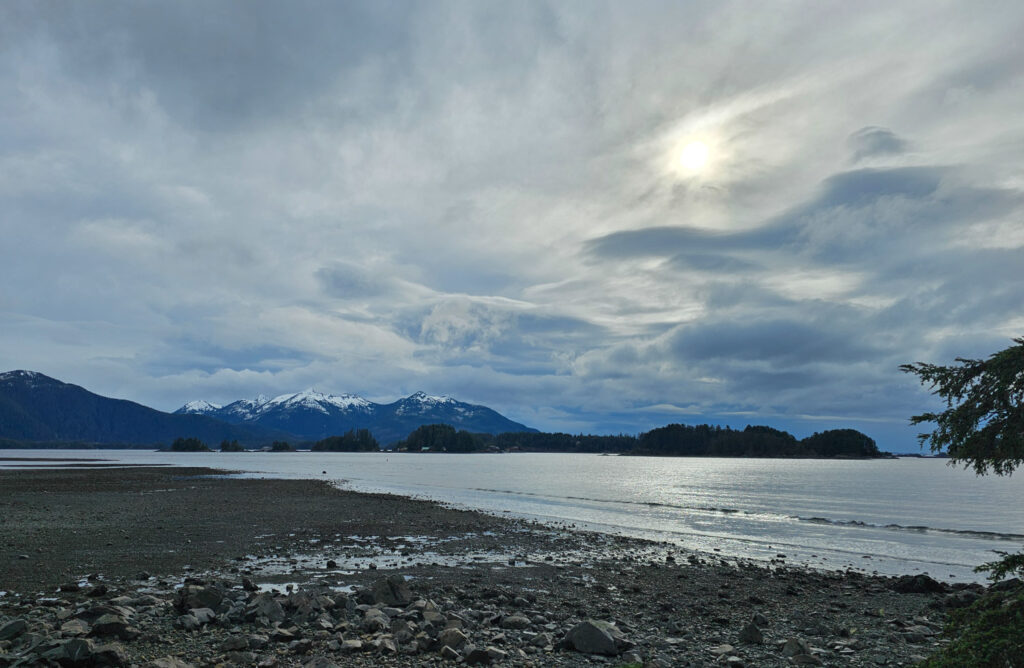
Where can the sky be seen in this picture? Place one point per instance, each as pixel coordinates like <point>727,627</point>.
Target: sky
<point>593,217</point>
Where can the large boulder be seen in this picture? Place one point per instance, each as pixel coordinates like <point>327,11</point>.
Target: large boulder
<point>265,606</point>
<point>453,638</point>
<point>13,629</point>
<point>917,584</point>
<point>113,625</point>
<point>73,652</point>
<point>391,590</point>
<point>597,637</point>
<point>193,596</point>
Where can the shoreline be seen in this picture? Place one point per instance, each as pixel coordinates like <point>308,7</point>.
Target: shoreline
<point>830,556</point>
<point>82,531</point>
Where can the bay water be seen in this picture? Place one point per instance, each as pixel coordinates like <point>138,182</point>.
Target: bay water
<point>902,516</point>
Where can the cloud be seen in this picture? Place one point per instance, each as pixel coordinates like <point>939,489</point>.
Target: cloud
<point>349,281</point>
<point>776,342</point>
<point>872,142</point>
<point>481,200</point>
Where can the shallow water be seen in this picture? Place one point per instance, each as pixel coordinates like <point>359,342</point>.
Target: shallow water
<point>890,516</point>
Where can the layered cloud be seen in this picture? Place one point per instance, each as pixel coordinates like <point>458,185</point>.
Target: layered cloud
<point>487,200</point>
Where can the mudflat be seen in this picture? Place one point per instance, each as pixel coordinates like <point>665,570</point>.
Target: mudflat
<point>60,524</point>
<point>131,566</point>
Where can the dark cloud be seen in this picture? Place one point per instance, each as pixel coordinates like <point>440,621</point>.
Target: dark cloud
<point>776,342</point>
<point>658,242</point>
<point>348,281</point>
<point>871,142</point>
<point>215,67</point>
<point>711,262</point>
<point>864,186</point>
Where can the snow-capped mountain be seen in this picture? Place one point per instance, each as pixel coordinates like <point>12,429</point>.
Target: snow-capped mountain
<point>37,408</point>
<point>314,415</point>
<point>199,407</point>
<point>40,409</point>
<point>420,403</point>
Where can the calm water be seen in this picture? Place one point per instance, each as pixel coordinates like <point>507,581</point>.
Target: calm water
<point>889,516</point>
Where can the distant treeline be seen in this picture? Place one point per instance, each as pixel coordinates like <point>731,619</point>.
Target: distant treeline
<point>355,440</point>
<point>674,440</point>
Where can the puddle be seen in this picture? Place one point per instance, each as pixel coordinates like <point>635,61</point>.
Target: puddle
<point>355,556</point>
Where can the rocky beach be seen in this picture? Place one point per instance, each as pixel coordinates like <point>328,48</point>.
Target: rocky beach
<point>175,567</point>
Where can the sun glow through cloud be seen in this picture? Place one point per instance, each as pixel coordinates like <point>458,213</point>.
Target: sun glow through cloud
<point>694,156</point>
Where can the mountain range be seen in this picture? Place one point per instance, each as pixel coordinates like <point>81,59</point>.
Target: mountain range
<point>314,415</point>
<point>37,408</point>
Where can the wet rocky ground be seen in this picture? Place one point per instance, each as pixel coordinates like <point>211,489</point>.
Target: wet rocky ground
<point>173,567</point>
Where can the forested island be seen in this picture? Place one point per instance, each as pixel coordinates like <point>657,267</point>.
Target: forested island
<point>674,440</point>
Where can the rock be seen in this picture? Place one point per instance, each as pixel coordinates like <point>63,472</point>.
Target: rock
<point>203,615</point>
<point>352,645</point>
<point>169,662</point>
<point>805,660</point>
<point>481,656</point>
<point>240,658</point>
<point>74,628</point>
<point>97,591</point>
<point>1010,584</point>
<point>960,599</point>
<point>795,646</point>
<point>375,623</point>
<point>320,662</point>
<point>542,640</point>
<point>434,617</point>
<point>13,629</point>
<point>300,646</point>
<point>112,654</point>
<point>515,622</point>
<point>249,585</point>
<point>760,620</point>
<point>264,605</point>
<point>283,635</point>
<point>258,642</point>
<point>917,584</point>
<point>113,625</point>
<point>391,590</point>
<point>73,652</point>
<point>235,644</point>
<point>449,653</point>
<point>192,596</point>
<point>723,650</point>
<point>496,654</point>
<point>597,637</point>
<point>751,634</point>
<point>188,622</point>
<point>453,638</point>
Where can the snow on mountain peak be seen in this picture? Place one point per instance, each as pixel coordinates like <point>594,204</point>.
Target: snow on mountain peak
<point>199,406</point>
<point>314,400</point>
<point>425,398</point>
<point>19,373</point>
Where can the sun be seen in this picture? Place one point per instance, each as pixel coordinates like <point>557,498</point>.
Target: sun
<point>694,156</point>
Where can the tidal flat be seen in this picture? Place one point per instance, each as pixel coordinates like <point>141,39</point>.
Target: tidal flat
<point>188,566</point>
